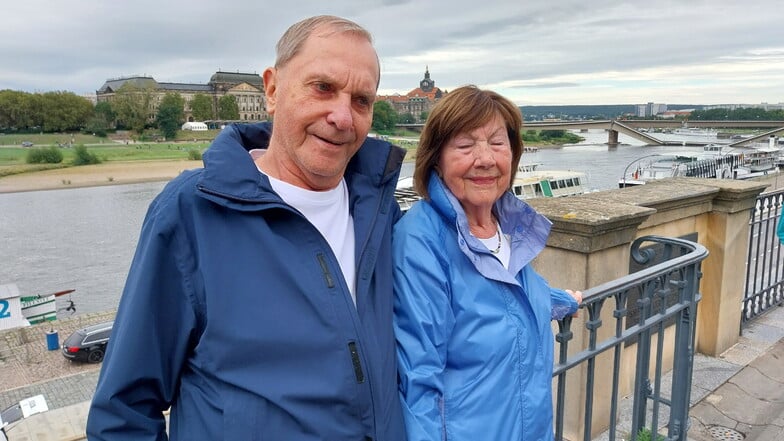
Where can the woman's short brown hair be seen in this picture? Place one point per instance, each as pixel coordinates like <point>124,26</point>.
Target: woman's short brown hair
<point>459,111</point>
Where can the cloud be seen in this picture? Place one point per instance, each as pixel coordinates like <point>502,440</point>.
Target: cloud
<point>566,52</point>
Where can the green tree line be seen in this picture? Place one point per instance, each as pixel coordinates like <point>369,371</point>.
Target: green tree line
<point>131,109</point>
<point>741,114</point>
<point>45,112</point>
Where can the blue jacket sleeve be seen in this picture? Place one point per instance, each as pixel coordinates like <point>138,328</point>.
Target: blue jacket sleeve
<point>149,341</point>
<point>423,323</point>
<point>780,229</point>
<point>563,304</point>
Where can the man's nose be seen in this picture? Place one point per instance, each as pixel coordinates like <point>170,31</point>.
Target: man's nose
<point>340,115</point>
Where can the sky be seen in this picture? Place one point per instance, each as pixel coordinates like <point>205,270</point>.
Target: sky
<point>556,52</point>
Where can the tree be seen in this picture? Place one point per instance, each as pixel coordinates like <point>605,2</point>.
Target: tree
<point>133,105</point>
<point>407,118</point>
<point>423,116</point>
<point>102,119</point>
<point>228,108</point>
<point>201,107</point>
<point>104,110</point>
<point>11,109</point>
<point>171,113</point>
<point>384,116</point>
<point>65,111</point>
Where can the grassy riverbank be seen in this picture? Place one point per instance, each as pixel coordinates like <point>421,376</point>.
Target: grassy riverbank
<point>123,160</point>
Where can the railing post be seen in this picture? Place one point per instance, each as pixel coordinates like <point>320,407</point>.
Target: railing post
<point>726,235</point>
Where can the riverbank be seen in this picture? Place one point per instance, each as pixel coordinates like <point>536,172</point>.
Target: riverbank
<point>107,173</point>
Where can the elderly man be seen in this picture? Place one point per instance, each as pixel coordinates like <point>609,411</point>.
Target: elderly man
<point>259,301</point>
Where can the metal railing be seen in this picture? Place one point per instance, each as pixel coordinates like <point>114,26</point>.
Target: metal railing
<point>666,294</point>
<point>764,287</point>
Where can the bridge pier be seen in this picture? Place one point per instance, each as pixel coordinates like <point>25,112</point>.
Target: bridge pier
<point>612,139</point>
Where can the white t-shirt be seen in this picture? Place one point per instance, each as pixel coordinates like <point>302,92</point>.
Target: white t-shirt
<point>328,212</point>
<point>500,242</point>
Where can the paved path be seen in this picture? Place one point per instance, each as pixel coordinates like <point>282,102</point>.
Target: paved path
<point>749,404</point>
<point>737,396</point>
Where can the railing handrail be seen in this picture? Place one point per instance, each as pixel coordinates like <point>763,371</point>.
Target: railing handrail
<point>697,254</point>
<point>678,273</point>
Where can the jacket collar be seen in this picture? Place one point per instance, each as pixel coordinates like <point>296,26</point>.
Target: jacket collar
<point>526,229</point>
<point>230,173</point>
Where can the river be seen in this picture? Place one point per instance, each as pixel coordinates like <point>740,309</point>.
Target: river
<point>84,238</point>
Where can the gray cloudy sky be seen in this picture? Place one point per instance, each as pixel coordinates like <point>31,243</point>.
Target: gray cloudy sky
<point>532,51</point>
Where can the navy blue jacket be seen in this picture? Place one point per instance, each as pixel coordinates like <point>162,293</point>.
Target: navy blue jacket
<point>236,314</point>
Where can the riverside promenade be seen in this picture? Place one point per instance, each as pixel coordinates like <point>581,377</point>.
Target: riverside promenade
<point>736,396</point>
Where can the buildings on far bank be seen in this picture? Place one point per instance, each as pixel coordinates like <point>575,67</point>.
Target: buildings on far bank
<point>417,102</point>
<point>247,89</point>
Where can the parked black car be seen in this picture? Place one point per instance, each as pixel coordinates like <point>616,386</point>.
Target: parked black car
<point>88,344</point>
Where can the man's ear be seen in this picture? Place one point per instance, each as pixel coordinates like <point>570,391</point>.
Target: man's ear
<point>270,87</point>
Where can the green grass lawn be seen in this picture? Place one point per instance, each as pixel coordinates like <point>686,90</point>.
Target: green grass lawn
<point>50,139</point>
<point>108,152</point>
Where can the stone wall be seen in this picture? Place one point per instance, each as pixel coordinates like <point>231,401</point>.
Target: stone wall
<point>590,242</point>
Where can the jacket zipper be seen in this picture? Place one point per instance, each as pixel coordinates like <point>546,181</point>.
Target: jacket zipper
<point>325,270</point>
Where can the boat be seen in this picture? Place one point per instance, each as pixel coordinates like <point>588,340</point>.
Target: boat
<point>758,162</point>
<point>712,163</point>
<point>41,308</point>
<point>695,131</point>
<point>529,183</point>
<point>533,183</point>
<point>405,193</point>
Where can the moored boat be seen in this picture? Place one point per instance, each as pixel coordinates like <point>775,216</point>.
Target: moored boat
<point>713,163</point>
<point>41,308</point>
<point>533,183</point>
<point>529,183</point>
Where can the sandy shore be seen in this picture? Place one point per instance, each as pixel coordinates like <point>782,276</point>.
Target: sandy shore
<point>111,173</point>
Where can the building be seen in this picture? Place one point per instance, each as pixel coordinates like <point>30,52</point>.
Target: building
<point>247,89</point>
<point>650,109</point>
<point>417,103</point>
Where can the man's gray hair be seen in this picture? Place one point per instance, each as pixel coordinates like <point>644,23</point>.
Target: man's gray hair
<point>292,40</point>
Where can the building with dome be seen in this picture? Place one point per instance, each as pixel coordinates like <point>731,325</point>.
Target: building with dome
<point>247,89</point>
<point>418,102</point>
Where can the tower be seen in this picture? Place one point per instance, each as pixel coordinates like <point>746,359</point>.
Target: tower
<point>427,84</point>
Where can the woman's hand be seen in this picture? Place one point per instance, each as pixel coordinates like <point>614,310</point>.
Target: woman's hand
<point>578,296</point>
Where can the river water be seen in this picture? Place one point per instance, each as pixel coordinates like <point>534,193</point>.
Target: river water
<point>84,238</point>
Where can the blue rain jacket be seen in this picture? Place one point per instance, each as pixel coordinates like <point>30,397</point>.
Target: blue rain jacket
<point>236,313</point>
<point>780,228</point>
<point>475,347</point>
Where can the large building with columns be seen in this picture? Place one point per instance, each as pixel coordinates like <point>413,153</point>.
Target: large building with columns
<point>247,89</point>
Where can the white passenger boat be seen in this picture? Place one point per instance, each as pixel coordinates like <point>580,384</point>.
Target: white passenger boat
<point>41,308</point>
<point>529,183</point>
<point>714,162</point>
<point>533,183</point>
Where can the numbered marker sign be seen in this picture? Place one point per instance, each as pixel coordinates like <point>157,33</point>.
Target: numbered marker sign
<point>10,308</point>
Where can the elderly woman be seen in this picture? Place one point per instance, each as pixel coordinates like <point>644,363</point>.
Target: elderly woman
<point>472,317</point>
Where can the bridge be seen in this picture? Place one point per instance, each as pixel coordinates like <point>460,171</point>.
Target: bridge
<point>632,128</point>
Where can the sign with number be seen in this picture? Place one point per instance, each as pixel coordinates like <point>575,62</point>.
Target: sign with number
<point>10,307</point>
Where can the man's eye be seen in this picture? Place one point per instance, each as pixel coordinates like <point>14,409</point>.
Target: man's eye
<point>363,101</point>
<point>323,87</point>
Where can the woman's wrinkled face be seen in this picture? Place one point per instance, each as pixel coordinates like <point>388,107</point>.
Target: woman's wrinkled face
<point>476,165</point>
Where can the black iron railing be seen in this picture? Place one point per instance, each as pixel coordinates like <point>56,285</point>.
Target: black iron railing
<point>678,273</point>
<point>764,265</point>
